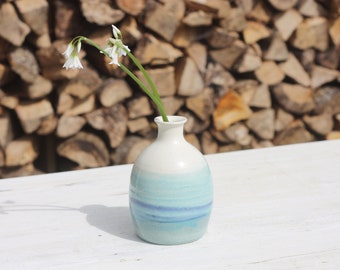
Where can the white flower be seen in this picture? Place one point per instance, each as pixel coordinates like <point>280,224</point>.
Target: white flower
<point>73,62</point>
<point>72,58</point>
<point>116,50</point>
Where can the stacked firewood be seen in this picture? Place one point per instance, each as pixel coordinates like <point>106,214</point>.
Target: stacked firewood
<point>246,74</point>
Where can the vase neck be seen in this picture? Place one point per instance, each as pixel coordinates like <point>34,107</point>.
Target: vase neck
<point>172,130</point>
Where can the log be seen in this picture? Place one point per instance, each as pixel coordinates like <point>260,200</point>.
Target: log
<point>82,106</point>
<point>209,145</point>
<point>293,69</point>
<point>198,18</point>
<point>139,124</point>
<point>261,97</point>
<point>21,151</point>
<point>234,20</point>
<point>329,58</point>
<point>31,114</point>
<point>163,78</point>
<point>129,150</point>
<point>262,123</point>
<point>283,120</point>
<point>311,33</point>
<point>113,121</point>
<point>220,37</point>
<point>311,8</point>
<point>202,104</point>
<point>250,61</point>
<point>255,31</point>
<point>23,62</point>
<point>334,32</point>
<point>6,129</point>
<point>277,50</point>
<point>230,109</point>
<point>188,78</point>
<point>198,52</point>
<point>164,18</point>
<point>260,12</point>
<point>269,73</point>
<point>294,98</point>
<point>151,50</point>
<point>172,104</point>
<point>229,55</point>
<point>69,125</point>
<point>138,107</point>
<point>12,29</point>
<point>131,7</point>
<point>238,133</point>
<point>321,76</point>
<point>86,149</point>
<point>287,22</point>
<point>295,133</point>
<point>283,4</point>
<point>321,124</point>
<point>48,125</point>
<point>114,91</point>
<point>100,12</point>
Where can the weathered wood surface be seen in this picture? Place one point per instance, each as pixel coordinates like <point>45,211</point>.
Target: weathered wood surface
<point>274,208</point>
<point>228,66</point>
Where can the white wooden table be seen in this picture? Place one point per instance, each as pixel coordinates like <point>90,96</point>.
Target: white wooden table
<point>274,208</point>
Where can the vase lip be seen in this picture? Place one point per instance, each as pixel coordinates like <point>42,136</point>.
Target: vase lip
<point>173,120</point>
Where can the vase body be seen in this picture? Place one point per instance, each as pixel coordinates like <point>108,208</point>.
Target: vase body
<point>171,188</point>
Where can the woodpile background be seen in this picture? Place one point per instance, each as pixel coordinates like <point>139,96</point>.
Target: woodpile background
<point>246,74</point>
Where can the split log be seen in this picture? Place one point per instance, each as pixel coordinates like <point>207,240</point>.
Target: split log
<point>23,62</point>
<point>12,29</point>
<point>321,76</point>
<point>82,106</point>
<point>250,61</point>
<point>269,73</point>
<point>17,171</point>
<point>220,37</point>
<point>334,32</point>
<point>188,79</point>
<point>229,55</point>
<point>262,123</point>
<point>131,7</point>
<point>311,8</point>
<point>230,109</point>
<point>69,125</point>
<point>8,101</point>
<point>198,18</point>
<point>129,150</point>
<point>295,133</point>
<point>234,20</point>
<point>321,124</point>
<point>139,107</point>
<point>152,51</point>
<point>283,4</point>
<point>48,125</point>
<point>294,98</point>
<point>287,22</point>
<point>198,53</point>
<point>202,104</point>
<point>35,15</point>
<point>246,89</point>
<point>164,18</point>
<point>21,151</point>
<point>209,145</point>
<point>139,124</point>
<point>238,133</point>
<point>31,114</point>
<point>172,104</point>
<point>311,33</point>
<point>329,58</point>
<point>193,124</point>
<point>113,121</point>
<point>293,69</point>
<point>100,12</point>
<point>255,31</point>
<point>193,140</point>
<point>260,12</point>
<point>86,149</point>
<point>163,78</point>
<point>114,91</point>
<point>277,50</point>
<point>6,129</point>
<point>283,120</point>
<point>261,97</point>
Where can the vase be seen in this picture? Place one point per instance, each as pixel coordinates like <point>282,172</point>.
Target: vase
<point>171,189</point>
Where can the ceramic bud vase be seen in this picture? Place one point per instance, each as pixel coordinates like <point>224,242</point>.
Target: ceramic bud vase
<point>171,188</point>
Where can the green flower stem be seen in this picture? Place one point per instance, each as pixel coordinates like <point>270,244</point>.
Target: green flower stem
<point>153,94</point>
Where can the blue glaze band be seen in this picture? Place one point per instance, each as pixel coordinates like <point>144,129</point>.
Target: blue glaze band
<point>171,208</point>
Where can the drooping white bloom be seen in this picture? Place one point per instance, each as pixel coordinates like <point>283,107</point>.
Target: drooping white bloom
<point>72,58</point>
<point>115,49</point>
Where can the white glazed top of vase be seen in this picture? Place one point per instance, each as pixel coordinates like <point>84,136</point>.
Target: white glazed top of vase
<point>170,152</point>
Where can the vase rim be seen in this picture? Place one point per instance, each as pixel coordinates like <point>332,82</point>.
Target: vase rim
<point>173,119</point>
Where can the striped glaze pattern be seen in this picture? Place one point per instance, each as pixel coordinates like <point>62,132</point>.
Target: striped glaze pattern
<point>171,208</point>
